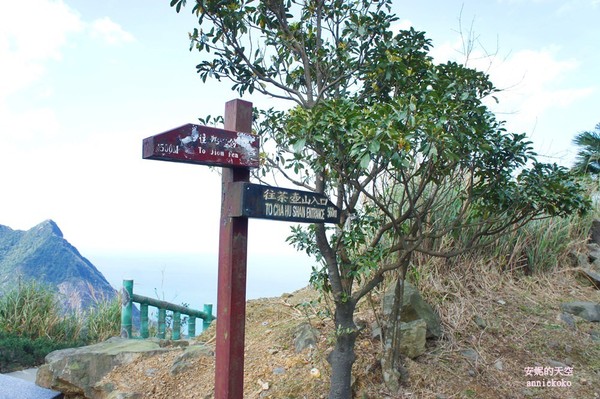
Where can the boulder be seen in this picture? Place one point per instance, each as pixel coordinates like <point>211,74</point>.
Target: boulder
<point>595,232</point>
<point>593,276</point>
<point>471,354</point>
<point>589,311</point>
<point>305,336</point>
<point>414,308</point>
<point>184,361</point>
<point>76,371</point>
<point>412,343</point>
<point>577,259</point>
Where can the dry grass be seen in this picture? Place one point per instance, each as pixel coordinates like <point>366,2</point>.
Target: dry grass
<point>522,330</point>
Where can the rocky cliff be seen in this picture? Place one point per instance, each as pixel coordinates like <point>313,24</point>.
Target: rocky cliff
<point>42,254</point>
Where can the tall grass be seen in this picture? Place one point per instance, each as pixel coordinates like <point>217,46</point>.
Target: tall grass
<point>103,321</point>
<point>537,247</point>
<point>542,245</point>
<point>32,324</point>
<point>31,310</point>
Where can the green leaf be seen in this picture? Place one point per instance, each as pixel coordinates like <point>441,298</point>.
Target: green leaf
<point>374,146</point>
<point>299,145</point>
<point>364,162</point>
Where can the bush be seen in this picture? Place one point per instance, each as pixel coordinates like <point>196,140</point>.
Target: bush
<point>17,352</point>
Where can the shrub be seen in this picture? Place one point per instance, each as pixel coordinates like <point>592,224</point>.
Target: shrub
<point>17,352</point>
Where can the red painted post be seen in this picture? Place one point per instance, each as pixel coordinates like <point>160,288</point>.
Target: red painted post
<point>231,296</point>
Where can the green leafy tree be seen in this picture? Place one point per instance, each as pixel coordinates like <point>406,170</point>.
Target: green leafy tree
<point>588,156</point>
<point>387,134</point>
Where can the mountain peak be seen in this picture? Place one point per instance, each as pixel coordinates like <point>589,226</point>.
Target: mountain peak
<point>49,226</point>
<point>42,254</point>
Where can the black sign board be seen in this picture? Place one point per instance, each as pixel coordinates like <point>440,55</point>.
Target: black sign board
<point>266,202</point>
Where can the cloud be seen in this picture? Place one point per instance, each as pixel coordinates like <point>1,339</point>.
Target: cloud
<point>110,32</point>
<point>532,82</point>
<point>31,33</point>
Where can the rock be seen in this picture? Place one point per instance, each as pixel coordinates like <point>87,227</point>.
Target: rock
<point>76,371</point>
<point>568,361</point>
<point>595,232</point>
<point>412,342</point>
<point>413,308</point>
<point>305,336</point>
<point>595,336</point>
<point>578,259</point>
<point>264,385</point>
<point>150,372</point>
<point>593,276</point>
<point>556,363</point>
<point>593,256</point>
<point>183,361</point>
<point>470,354</point>
<point>567,319</point>
<point>481,323</point>
<point>278,370</point>
<point>595,266</point>
<point>587,310</point>
<point>499,365</point>
<point>592,246</point>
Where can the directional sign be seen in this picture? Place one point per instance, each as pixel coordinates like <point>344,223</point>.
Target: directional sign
<point>266,202</point>
<point>203,145</point>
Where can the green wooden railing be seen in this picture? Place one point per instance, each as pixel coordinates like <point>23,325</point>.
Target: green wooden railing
<point>128,298</point>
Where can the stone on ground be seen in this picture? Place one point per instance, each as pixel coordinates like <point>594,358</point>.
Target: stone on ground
<point>414,307</point>
<point>589,311</point>
<point>77,372</point>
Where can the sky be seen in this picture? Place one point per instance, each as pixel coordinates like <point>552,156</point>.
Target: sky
<point>83,82</point>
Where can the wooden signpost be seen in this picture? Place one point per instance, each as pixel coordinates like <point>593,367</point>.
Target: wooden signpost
<point>236,150</point>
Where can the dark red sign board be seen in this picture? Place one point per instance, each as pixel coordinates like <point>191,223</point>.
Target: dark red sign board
<point>204,145</point>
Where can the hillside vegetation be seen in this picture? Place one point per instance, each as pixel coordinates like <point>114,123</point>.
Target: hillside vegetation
<point>33,323</point>
<point>501,315</point>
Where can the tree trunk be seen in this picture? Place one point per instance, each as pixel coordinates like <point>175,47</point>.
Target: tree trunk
<point>342,358</point>
<point>394,373</point>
